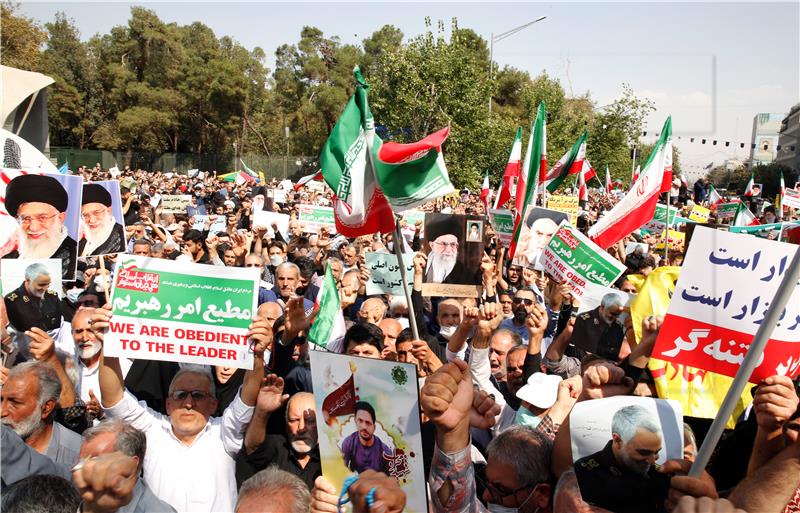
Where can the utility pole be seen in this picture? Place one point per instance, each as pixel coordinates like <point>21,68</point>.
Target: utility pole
<point>498,38</point>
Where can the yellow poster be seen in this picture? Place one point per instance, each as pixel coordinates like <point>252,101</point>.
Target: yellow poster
<point>676,240</point>
<point>699,214</point>
<point>567,204</point>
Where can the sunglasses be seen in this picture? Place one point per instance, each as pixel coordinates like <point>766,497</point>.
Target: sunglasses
<point>182,395</point>
<point>526,301</point>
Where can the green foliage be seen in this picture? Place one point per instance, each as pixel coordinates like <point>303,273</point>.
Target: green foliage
<point>20,39</point>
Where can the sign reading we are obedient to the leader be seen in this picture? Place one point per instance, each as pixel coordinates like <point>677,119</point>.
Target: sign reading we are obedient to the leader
<point>182,312</point>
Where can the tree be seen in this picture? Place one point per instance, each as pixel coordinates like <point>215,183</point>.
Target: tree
<point>20,39</point>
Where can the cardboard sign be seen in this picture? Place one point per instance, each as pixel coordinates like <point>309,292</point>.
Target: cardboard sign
<point>727,210</point>
<point>700,214</point>
<point>313,218</point>
<point>567,204</point>
<point>503,223</point>
<point>762,231</point>
<point>791,198</point>
<point>659,221</point>
<point>454,245</point>
<point>675,238</point>
<point>175,203</point>
<point>182,312</point>
<point>218,224</point>
<point>408,222</point>
<point>279,196</point>
<point>264,218</point>
<point>539,225</point>
<point>384,273</point>
<point>347,388</point>
<point>726,284</point>
<point>572,258</point>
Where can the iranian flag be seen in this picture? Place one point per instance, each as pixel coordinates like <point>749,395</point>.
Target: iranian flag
<point>347,163</point>
<point>636,173</point>
<point>748,190</point>
<point>588,171</point>
<point>239,177</point>
<point>780,201</point>
<point>411,175</point>
<point>608,181</point>
<point>533,167</point>
<point>328,328</point>
<point>485,191</point>
<point>744,217</point>
<point>507,188</point>
<point>301,182</point>
<point>583,193</point>
<point>639,204</point>
<point>713,197</point>
<point>570,164</point>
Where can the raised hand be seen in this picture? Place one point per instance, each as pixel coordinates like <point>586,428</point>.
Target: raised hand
<point>270,395</point>
<point>447,396</point>
<point>536,321</point>
<point>295,320</point>
<point>100,321</point>
<point>605,380</point>
<point>775,402</point>
<point>93,407</point>
<point>42,346</point>
<point>260,332</point>
<point>106,482</point>
<point>491,315</point>
<point>388,497</point>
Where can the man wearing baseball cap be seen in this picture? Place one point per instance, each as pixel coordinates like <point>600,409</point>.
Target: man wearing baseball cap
<point>102,235</point>
<point>39,204</point>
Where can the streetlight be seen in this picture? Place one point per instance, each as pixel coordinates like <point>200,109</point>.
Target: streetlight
<point>498,38</point>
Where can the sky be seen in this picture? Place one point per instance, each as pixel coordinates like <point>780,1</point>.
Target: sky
<point>711,65</point>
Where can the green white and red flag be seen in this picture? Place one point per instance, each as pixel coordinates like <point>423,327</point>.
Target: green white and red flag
<point>713,197</point>
<point>533,167</point>
<point>485,191</point>
<point>748,190</point>
<point>511,177</point>
<point>328,328</point>
<point>609,185</point>
<point>570,164</point>
<point>744,217</point>
<point>639,204</point>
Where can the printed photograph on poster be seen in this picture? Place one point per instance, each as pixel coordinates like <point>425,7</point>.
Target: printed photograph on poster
<point>102,222</point>
<point>474,231</point>
<point>12,273</point>
<point>600,329</point>
<point>454,260</point>
<point>368,418</point>
<point>538,227</point>
<point>617,443</point>
<point>43,219</point>
<point>30,290</point>
<point>757,188</point>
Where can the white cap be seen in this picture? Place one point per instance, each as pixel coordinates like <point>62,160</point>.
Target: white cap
<point>541,390</point>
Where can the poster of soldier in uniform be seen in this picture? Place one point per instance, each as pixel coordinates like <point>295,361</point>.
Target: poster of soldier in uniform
<point>618,445</point>
<point>600,325</point>
<point>368,418</point>
<point>454,246</point>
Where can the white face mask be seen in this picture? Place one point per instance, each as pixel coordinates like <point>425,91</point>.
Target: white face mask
<point>74,294</point>
<point>276,260</point>
<point>497,508</point>
<point>447,331</point>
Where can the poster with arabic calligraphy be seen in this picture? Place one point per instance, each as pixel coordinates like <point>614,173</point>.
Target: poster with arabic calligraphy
<point>384,273</point>
<point>726,285</point>
<point>368,418</point>
<point>572,258</point>
<point>180,312</point>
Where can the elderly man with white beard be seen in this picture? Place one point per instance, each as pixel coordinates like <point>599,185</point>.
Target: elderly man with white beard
<point>87,349</point>
<point>102,235</point>
<point>443,265</point>
<point>39,204</point>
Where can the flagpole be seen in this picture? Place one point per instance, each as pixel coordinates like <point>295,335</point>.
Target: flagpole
<point>748,365</point>
<point>412,318</point>
<point>666,235</point>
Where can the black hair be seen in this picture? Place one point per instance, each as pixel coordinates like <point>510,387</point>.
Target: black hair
<point>41,494</point>
<point>404,336</point>
<point>364,333</point>
<point>365,406</point>
<point>306,266</point>
<point>193,236</point>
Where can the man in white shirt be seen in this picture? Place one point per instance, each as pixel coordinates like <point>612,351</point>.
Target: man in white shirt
<point>190,459</point>
<point>87,349</point>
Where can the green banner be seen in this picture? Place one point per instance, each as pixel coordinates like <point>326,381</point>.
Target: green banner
<point>763,231</point>
<point>313,218</point>
<point>503,224</point>
<point>727,210</point>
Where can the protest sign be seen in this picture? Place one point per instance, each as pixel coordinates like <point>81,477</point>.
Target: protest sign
<point>454,245</point>
<point>217,223</point>
<point>175,203</point>
<point>12,271</point>
<point>313,218</point>
<point>659,221</point>
<point>408,222</point>
<point>727,210</point>
<point>639,248</point>
<point>567,204</point>
<point>538,225</point>
<point>503,223</point>
<point>279,196</point>
<point>266,219</point>
<point>594,293</point>
<point>384,273</point>
<point>27,230</point>
<point>790,232</point>
<point>676,239</point>
<point>763,231</point>
<point>386,393</point>
<point>570,257</point>
<point>596,425</point>
<point>315,186</point>
<point>182,312</point>
<point>791,198</point>
<point>699,214</point>
<point>716,309</point>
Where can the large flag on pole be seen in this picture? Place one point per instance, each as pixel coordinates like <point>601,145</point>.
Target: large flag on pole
<point>583,193</point>
<point>248,170</point>
<point>748,190</point>
<point>512,173</point>
<point>779,210</point>
<point>636,173</point>
<point>301,182</point>
<point>328,328</point>
<point>485,191</point>
<point>639,205</point>
<point>535,162</point>
<point>347,167</point>
<point>713,197</point>
<point>570,164</point>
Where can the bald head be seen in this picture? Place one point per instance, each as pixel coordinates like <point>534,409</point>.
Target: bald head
<point>372,310</point>
<point>269,312</point>
<point>391,328</point>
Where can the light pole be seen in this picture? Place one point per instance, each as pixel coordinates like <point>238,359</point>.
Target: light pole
<point>498,38</point>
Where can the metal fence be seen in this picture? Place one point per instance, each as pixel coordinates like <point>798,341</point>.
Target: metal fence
<point>272,167</point>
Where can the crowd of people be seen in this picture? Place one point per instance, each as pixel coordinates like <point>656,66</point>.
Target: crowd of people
<point>499,376</point>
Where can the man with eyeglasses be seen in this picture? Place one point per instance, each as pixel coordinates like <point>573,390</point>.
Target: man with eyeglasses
<point>39,204</point>
<point>102,234</point>
<point>443,265</point>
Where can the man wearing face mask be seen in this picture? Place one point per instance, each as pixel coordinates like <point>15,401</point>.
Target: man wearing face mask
<point>297,452</point>
<point>517,474</point>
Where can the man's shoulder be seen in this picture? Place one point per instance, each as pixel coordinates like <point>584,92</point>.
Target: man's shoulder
<point>67,437</point>
<point>590,463</point>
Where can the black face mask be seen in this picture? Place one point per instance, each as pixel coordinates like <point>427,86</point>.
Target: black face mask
<point>173,255</point>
